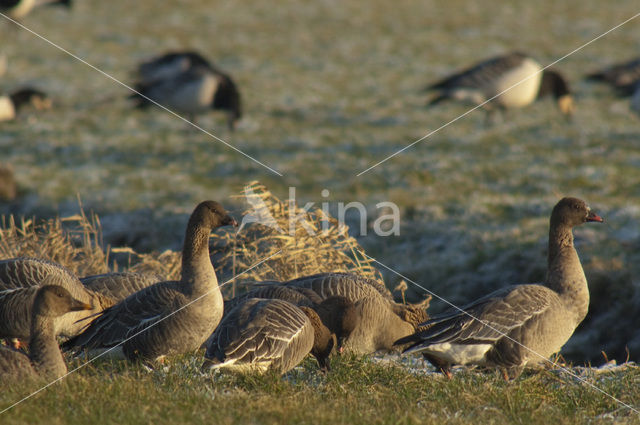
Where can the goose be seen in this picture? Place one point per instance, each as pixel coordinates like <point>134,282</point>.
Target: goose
<point>519,76</point>
<point>299,297</point>
<point>519,325</point>
<point>20,279</point>
<point>186,83</point>
<point>623,77</point>
<point>11,104</point>
<point>382,321</point>
<point>45,360</point>
<point>271,334</point>
<point>18,9</point>
<point>119,286</point>
<point>170,317</point>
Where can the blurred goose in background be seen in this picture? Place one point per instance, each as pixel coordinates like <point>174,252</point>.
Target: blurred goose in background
<point>27,96</point>
<point>20,280</point>
<point>186,83</point>
<point>170,317</point>
<point>271,334</point>
<point>119,286</point>
<point>45,360</point>
<point>623,77</point>
<point>519,325</point>
<point>519,76</point>
<point>18,9</point>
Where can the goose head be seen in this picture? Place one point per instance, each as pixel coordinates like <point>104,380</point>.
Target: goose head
<point>54,301</point>
<point>571,212</point>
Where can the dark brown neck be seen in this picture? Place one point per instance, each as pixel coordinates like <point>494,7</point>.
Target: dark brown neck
<point>44,352</point>
<point>198,274</point>
<point>565,274</point>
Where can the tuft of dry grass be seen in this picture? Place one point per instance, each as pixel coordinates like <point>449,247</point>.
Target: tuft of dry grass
<point>296,243</point>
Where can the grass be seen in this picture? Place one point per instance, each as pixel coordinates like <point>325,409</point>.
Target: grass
<point>329,90</point>
<point>355,391</point>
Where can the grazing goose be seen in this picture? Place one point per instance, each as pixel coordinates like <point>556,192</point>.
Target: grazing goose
<point>271,334</point>
<point>11,104</point>
<point>382,322</point>
<point>169,317</point>
<point>20,279</point>
<point>186,83</point>
<point>18,9</point>
<point>44,360</point>
<point>119,286</point>
<point>493,76</point>
<point>623,77</point>
<point>276,291</point>
<point>518,325</point>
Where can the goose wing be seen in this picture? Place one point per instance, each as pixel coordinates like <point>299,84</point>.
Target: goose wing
<point>256,332</point>
<point>486,320</point>
<point>133,315</point>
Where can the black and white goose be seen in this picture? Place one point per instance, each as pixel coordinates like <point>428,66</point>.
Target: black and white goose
<point>27,96</point>
<point>186,83</point>
<point>519,325</point>
<point>170,317</point>
<point>623,77</point>
<point>516,79</point>
<point>18,9</point>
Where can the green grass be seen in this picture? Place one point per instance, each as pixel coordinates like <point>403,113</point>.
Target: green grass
<point>355,391</point>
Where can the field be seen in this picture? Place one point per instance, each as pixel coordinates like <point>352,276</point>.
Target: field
<point>330,89</point>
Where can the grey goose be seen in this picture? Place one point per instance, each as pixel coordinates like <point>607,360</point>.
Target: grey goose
<point>170,317</point>
<point>18,9</point>
<point>45,360</point>
<point>516,75</point>
<point>187,83</point>
<point>20,279</point>
<point>119,285</point>
<point>11,104</point>
<point>519,325</point>
<point>382,320</point>
<point>271,334</point>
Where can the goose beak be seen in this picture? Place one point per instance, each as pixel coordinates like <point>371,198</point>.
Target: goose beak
<point>229,221</point>
<point>594,217</point>
<point>325,364</point>
<point>79,306</point>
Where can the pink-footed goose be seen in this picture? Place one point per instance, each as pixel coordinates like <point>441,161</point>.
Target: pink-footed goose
<point>20,279</point>
<point>518,325</point>
<point>271,334</point>
<point>382,321</point>
<point>169,317</point>
<point>45,360</point>
<point>120,285</point>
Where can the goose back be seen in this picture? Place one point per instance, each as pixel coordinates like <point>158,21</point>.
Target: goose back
<point>259,335</point>
<point>20,279</point>
<point>119,286</point>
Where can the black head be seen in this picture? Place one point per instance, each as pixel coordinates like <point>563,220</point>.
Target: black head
<point>212,214</point>
<point>54,300</point>
<point>572,212</point>
<point>553,83</point>
<point>30,96</point>
<point>228,98</point>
